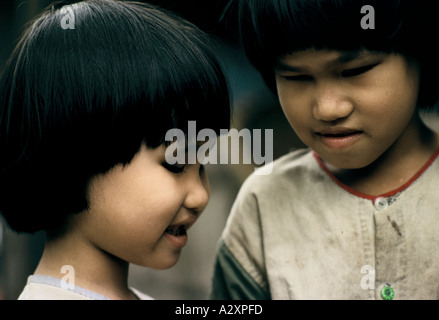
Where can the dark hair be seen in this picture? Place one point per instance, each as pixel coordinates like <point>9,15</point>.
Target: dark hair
<point>270,29</point>
<point>76,102</point>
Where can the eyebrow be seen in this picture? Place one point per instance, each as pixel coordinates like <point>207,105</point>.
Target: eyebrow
<point>345,57</point>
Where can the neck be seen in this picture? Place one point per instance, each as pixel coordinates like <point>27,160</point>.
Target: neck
<point>397,165</point>
<point>94,269</point>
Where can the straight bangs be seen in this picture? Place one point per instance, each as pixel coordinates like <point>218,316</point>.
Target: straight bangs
<point>178,80</point>
<point>76,102</point>
<point>270,29</point>
<point>288,26</point>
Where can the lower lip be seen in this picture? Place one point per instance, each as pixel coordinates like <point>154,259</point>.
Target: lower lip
<point>178,241</point>
<point>343,142</point>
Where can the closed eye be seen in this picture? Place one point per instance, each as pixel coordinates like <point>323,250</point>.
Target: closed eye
<point>357,71</point>
<point>298,78</point>
<point>174,168</point>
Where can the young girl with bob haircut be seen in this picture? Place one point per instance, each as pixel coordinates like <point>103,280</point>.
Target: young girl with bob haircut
<point>86,99</point>
<point>354,216</point>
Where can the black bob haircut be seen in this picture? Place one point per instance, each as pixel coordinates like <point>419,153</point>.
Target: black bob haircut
<point>270,29</point>
<point>76,102</point>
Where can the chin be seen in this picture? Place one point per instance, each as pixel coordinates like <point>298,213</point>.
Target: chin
<point>166,265</point>
<point>348,164</point>
<point>161,263</point>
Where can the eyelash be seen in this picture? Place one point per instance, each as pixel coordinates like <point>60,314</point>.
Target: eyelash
<point>346,73</point>
<point>174,168</point>
<point>178,170</point>
<point>298,78</point>
<point>358,71</point>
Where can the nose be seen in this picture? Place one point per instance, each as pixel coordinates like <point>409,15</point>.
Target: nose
<point>330,103</point>
<point>198,192</point>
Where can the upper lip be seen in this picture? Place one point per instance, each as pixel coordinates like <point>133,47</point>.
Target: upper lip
<point>187,223</point>
<point>337,131</point>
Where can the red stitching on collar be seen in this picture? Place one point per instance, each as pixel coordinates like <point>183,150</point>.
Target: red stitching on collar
<point>387,194</point>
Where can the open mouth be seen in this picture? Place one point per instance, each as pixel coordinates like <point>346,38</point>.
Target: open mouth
<point>177,235</point>
<point>176,230</point>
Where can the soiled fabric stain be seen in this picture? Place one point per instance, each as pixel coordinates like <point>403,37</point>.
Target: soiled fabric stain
<point>395,226</point>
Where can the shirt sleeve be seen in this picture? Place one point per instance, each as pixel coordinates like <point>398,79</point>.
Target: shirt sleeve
<point>240,271</point>
<point>231,281</point>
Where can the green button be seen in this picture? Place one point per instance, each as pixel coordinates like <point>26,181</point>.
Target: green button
<point>387,292</point>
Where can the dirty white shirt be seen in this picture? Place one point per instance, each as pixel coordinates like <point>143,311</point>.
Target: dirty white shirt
<point>299,233</point>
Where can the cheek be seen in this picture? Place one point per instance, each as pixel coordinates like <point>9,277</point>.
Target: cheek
<point>390,111</point>
<point>147,215</point>
<point>286,99</point>
<point>130,224</point>
<point>135,234</point>
<point>294,106</point>
<point>396,95</point>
